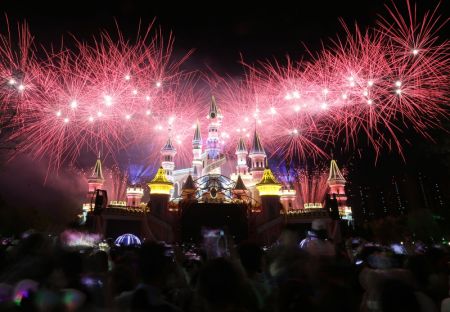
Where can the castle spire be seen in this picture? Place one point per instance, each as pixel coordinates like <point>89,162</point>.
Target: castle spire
<point>197,135</point>
<point>189,184</point>
<point>197,151</point>
<point>241,153</point>
<point>95,182</point>
<point>336,183</point>
<point>168,146</point>
<point>214,157</point>
<point>257,147</point>
<point>96,179</point>
<point>257,156</point>
<point>97,173</point>
<point>189,189</point>
<point>213,111</point>
<point>240,186</point>
<point>168,153</point>
<point>241,148</point>
<point>335,176</point>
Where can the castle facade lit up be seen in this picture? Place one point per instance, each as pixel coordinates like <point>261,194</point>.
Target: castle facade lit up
<point>249,203</point>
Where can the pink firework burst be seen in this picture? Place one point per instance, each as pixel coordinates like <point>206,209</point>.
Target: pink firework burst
<point>374,83</point>
<point>112,94</point>
<point>104,96</point>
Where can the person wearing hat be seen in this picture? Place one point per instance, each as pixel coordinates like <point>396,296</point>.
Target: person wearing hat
<point>317,242</point>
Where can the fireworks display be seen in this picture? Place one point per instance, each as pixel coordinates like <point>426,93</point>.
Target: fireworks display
<point>111,94</point>
<point>311,185</point>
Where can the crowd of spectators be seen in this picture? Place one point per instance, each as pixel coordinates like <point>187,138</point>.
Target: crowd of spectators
<point>300,272</point>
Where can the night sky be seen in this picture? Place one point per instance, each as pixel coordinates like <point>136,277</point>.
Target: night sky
<point>219,32</point>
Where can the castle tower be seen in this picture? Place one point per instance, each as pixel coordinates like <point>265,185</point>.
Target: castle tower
<point>160,188</point>
<point>213,157</point>
<point>134,196</point>
<point>336,183</point>
<point>257,156</point>
<point>240,190</point>
<point>168,153</point>
<point>287,198</point>
<point>241,153</point>
<point>96,180</point>
<point>269,192</point>
<point>189,189</point>
<point>197,163</point>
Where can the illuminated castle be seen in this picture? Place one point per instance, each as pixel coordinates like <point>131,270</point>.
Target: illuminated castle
<point>208,160</point>
<point>250,202</point>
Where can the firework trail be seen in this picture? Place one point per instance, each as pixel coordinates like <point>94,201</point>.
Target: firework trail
<point>374,83</point>
<point>106,96</point>
<point>114,94</point>
<point>311,185</point>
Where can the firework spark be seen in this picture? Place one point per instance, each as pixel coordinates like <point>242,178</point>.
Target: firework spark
<point>113,94</point>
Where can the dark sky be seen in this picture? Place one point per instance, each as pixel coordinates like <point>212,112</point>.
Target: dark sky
<point>217,30</point>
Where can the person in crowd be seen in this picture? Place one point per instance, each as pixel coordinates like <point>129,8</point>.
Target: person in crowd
<point>251,257</point>
<point>154,268</point>
<point>43,273</point>
<point>222,286</point>
<point>317,242</point>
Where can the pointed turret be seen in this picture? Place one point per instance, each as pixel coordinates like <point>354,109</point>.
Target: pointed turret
<point>241,153</point>
<point>257,156</point>
<point>240,186</point>
<point>197,140</point>
<point>169,146</point>
<point>168,153</point>
<point>241,148</point>
<point>213,111</point>
<point>240,191</point>
<point>335,176</point>
<point>160,183</point>
<point>189,189</point>
<point>197,151</point>
<point>95,182</point>
<point>189,184</point>
<point>336,183</point>
<point>97,173</point>
<point>214,157</point>
<point>257,147</point>
<point>96,179</point>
